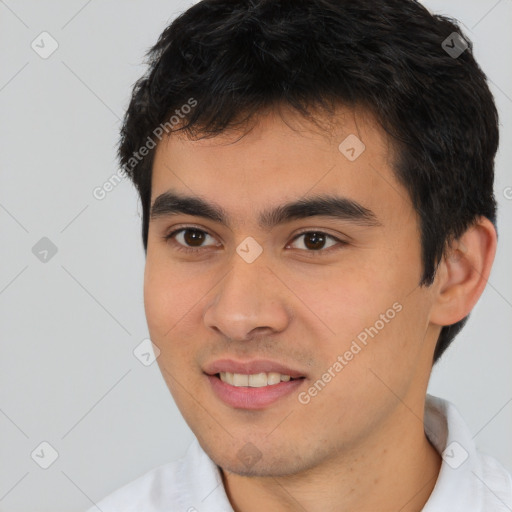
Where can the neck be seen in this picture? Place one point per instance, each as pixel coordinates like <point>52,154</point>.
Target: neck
<point>394,470</point>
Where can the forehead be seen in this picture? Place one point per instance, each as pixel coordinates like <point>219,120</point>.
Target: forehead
<point>280,159</point>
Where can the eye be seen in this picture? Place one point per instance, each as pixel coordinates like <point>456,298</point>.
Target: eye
<point>188,239</point>
<point>191,239</point>
<point>315,241</point>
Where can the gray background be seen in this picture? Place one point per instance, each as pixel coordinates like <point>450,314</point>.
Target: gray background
<point>68,326</point>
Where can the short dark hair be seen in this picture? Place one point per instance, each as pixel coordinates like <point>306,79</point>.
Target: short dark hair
<point>236,58</point>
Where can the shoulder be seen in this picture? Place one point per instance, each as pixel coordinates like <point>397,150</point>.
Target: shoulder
<point>469,479</point>
<point>496,484</point>
<point>177,485</point>
<point>145,492</point>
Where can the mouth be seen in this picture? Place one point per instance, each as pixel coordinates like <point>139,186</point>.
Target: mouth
<point>252,385</point>
<point>254,380</point>
<point>252,373</point>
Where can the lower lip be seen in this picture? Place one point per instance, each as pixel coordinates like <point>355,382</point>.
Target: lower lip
<point>252,398</point>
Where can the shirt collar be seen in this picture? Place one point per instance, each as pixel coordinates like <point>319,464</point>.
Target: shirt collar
<point>458,486</point>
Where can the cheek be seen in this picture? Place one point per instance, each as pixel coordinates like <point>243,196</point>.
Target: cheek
<point>171,296</point>
<point>173,301</point>
<point>375,313</point>
<point>157,299</point>
<point>346,299</point>
<point>169,305</point>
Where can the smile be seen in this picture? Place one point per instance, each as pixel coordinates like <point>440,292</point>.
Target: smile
<point>253,391</point>
<point>255,380</point>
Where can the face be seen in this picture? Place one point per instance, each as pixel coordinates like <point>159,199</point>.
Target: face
<point>325,296</point>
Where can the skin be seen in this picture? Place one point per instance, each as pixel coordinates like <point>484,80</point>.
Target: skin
<point>359,444</point>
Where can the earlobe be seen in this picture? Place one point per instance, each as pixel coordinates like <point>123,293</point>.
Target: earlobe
<point>463,273</point>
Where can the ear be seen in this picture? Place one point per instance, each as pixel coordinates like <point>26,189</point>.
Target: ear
<point>463,273</point>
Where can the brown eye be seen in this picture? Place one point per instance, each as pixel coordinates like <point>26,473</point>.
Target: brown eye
<point>193,237</point>
<point>188,239</point>
<point>316,240</point>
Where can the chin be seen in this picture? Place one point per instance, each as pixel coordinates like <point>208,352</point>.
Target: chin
<point>262,464</point>
<point>259,470</point>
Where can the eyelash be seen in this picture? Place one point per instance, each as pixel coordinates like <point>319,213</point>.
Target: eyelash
<point>192,250</point>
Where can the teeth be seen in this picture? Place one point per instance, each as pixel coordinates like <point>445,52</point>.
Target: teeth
<point>228,377</point>
<point>240,380</point>
<point>257,380</point>
<point>274,378</point>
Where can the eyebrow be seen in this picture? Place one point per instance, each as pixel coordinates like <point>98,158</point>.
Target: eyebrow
<point>341,208</point>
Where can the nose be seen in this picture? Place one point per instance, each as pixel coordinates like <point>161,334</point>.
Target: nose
<point>250,299</point>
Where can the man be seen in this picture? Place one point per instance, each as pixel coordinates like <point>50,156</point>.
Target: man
<point>316,179</point>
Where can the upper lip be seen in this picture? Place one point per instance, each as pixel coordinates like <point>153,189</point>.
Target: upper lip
<point>250,367</point>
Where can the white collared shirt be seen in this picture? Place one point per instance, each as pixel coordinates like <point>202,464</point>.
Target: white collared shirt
<point>469,480</point>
